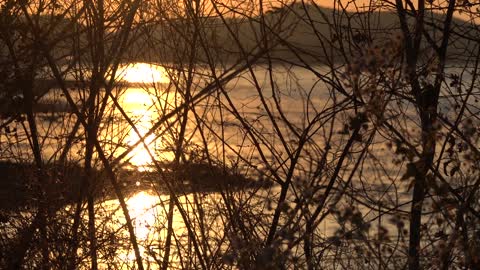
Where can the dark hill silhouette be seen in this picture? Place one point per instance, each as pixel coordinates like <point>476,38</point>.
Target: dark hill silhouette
<point>298,28</point>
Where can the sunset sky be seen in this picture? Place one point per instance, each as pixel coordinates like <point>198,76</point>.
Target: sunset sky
<point>363,4</point>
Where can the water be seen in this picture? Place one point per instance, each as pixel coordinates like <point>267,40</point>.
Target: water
<point>148,96</point>
<point>213,131</point>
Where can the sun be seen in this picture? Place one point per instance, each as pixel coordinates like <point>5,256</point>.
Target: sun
<point>143,73</point>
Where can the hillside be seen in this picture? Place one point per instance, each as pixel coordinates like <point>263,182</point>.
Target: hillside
<point>296,31</point>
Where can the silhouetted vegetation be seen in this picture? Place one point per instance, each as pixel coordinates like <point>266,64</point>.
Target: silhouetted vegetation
<point>239,135</point>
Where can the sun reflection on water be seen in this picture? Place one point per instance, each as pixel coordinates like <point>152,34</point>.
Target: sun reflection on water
<point>139,103</point>
<point>148,212</point>
<point>142,208</point>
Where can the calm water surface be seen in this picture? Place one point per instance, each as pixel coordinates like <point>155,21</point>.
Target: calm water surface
<point>149,96</point>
